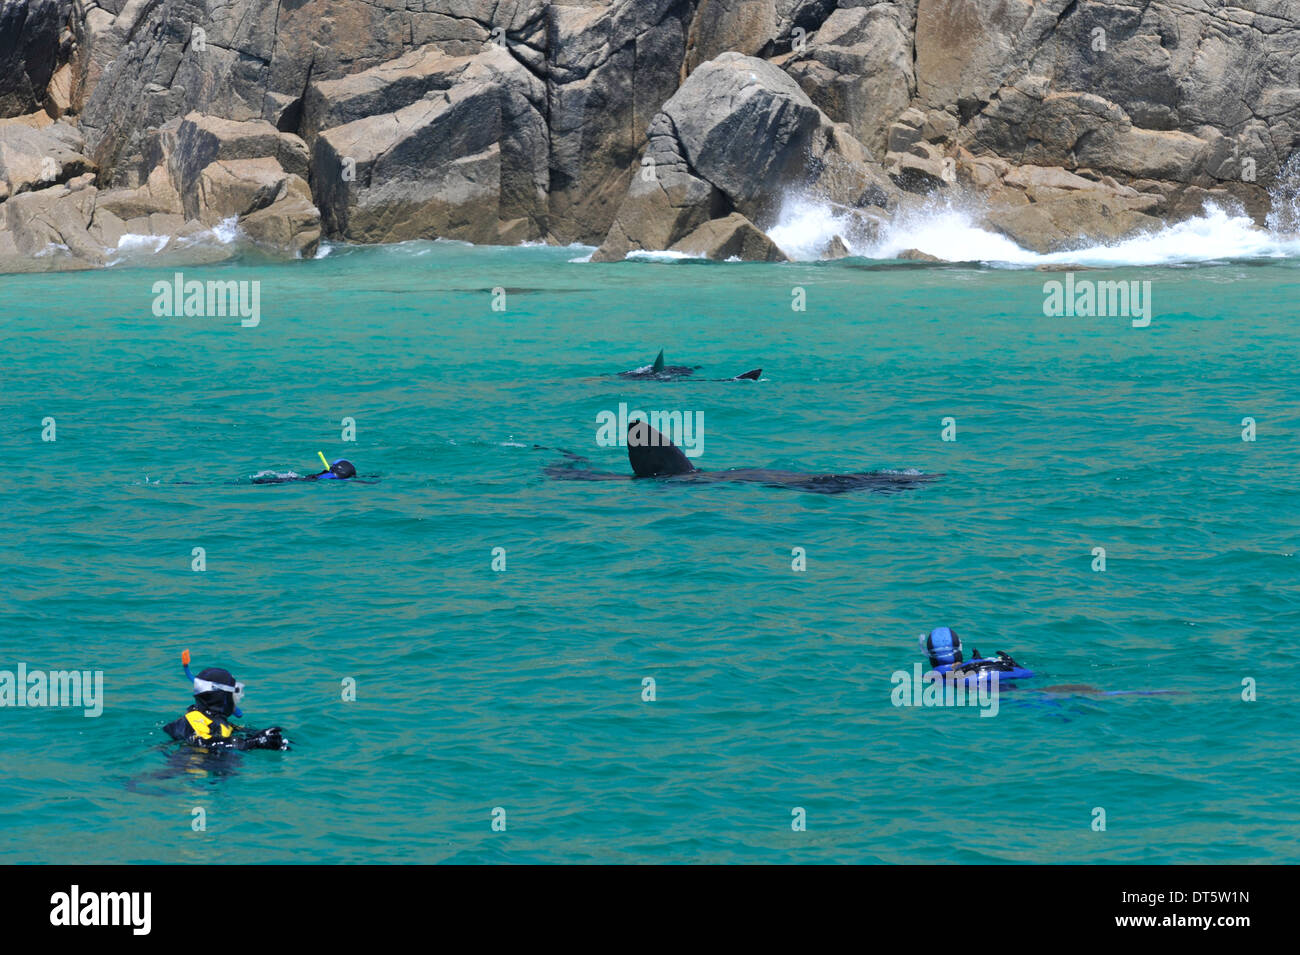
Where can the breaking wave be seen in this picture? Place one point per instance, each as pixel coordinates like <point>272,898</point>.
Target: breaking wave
<point>948,232</point>
<point>134,248</point>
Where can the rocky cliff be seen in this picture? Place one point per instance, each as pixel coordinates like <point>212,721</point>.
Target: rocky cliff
<point>628,124</point>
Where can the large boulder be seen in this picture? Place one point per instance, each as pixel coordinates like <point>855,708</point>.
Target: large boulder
<point>731,237</point>
<point>290,223</point>
<point>155,196</point>
<point>467,163</point>
<point>36,153</point>
<point>736,137</point>
<point>1070,221</point>
<point>51,229</point>
<point>385,88</point>
<point>201,140</point>
<point>239,187</point>
<point>746,127</point>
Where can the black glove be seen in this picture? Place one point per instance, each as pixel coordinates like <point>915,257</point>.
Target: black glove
<point>272,738</point>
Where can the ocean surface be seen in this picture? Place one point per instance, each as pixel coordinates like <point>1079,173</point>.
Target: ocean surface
<point>522,689</point>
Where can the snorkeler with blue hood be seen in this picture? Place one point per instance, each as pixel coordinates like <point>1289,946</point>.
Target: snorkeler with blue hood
<point>943,648</point>
<point>205,725</point>
<point>339,470</point>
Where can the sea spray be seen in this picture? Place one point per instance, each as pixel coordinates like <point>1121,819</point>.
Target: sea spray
<point>950,231</point>
<point>1284,213</point>
<point>806,227</point>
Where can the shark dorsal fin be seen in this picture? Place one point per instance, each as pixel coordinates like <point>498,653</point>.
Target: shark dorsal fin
<point>659,362</point>
<point>653,454</point>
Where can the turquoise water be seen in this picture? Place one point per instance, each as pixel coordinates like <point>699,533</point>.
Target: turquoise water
<point>522,689</point>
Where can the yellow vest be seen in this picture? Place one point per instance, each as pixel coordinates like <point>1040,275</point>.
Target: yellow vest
<point>202,726</point>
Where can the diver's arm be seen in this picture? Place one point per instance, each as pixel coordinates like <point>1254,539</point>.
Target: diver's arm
<point>272,738</point>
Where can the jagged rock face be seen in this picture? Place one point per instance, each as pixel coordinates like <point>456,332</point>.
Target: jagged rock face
<point>252,60</point>
<point>201,141</point>
<point>753,27</point>
<point>508,120</point>
<point>610,66</point>
<point>33,46</point>
<point>466,163</point>
<point>1160,91</point>
<point>858,68</point>
<point>205,171</point>
<point>665,201</point>
<point>604,68</point>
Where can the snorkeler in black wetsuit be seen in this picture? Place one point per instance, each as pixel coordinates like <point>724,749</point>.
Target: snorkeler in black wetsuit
<point>204,725</point>
<point>340,470</point>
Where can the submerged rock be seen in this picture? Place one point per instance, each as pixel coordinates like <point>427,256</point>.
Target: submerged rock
<point>916,255</point>
<point>732,237</point>
<point>835,249</point>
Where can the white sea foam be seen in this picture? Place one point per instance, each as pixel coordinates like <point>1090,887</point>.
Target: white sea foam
<point>806,226</point>
<point>663,255</point>
<point>949,232</point>
<point>134,241</point>
<point>134,246</point>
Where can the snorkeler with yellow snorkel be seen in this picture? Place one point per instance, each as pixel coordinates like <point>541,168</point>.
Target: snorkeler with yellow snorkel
<point>340,470</point>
